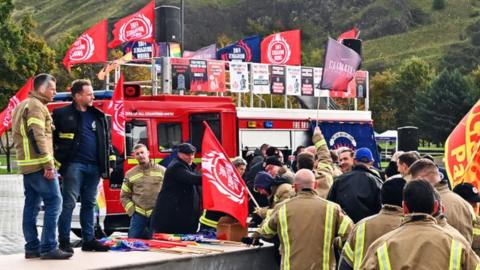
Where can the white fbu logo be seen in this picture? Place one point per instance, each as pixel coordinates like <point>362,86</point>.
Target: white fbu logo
<point>138,27</point>
<point>221,174</point>
<point>83,48</point>
<point>278,51</point>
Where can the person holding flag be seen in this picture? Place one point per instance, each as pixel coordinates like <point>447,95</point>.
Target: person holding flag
<point>223,189</point>
<point>82,148</point>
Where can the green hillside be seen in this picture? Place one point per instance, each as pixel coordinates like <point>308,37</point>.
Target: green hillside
<point>392,30</point>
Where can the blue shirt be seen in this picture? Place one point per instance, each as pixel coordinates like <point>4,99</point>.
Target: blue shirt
<point>87,139</point>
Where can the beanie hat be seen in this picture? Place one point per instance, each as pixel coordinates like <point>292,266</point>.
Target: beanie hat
<point>392,191</point>
<point>263,180</point>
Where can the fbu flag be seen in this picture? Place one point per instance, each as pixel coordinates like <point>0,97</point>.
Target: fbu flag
<point>245,50</point>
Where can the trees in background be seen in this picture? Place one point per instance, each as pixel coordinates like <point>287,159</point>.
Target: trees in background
<point>442,105</point>
<point>414,95</point>
<point>23,53</point>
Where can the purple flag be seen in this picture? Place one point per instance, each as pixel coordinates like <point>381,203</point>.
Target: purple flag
<point>340,66</point>
<point>205,53</point>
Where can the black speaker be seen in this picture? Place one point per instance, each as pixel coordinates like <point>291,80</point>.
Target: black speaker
<point>407,138</point>
<point>354,44</point>
<point>168,24</point>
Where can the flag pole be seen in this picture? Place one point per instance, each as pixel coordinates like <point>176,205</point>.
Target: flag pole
<point>253,199</point>
<point>318,109</point>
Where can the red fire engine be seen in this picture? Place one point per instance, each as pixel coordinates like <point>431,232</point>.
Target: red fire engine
<point>163,121</point>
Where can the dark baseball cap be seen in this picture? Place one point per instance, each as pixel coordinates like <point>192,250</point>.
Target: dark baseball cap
<point>186,148</point>
<point>273,160</point>
<point>467,191</point>
<point>263,180</point>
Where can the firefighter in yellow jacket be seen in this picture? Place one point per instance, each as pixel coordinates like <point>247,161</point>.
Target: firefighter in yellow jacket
<point>32,135</point>
<point>323,167</point>
<point>307,226</point>
<point>369,229</point>
<point>140,191</point>
<point>419,243</point>
<point>459,212</point>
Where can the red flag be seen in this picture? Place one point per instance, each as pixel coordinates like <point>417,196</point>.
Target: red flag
<point>348,35</point>
<point>116,110</point>
<point>90,47</point>
<point>282,48</point>
<point>135,27</point>
<point>6,115</point>
<point>222,186</point>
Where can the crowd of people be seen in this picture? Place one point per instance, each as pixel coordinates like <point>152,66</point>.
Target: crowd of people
<point>326,209</point>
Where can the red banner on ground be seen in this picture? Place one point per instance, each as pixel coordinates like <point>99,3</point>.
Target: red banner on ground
<point>462,155</point>
<point>135,27</point>
<point>6,115</point>
<point>222,186</point>
<point>90,47</point>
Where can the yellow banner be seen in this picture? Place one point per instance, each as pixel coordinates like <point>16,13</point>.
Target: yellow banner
<point>462,156</point>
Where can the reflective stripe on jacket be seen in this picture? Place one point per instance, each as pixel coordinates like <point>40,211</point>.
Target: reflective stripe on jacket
<point>32,134</point>
<point>369,229</point>
<point>307,226</point>
<point>141,187</point>
<point>459,212</point>
<point>419,241</point>
<point>324,170</point>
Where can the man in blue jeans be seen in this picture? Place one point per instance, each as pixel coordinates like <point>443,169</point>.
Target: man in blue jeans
<point>82,147</point>
<point>32,134</point>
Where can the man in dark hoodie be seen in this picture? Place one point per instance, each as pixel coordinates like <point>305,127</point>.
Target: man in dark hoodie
<point>358,191</point>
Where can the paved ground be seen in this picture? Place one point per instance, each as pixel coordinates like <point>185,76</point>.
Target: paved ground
<point>11,207</point>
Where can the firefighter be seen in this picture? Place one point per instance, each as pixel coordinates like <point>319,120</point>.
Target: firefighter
<point>419,241</point>
<point>307,220</point>
<point>140,190</point>
<point>470,194</point>
<point>369,229</point>
<point>443,222</point>
<point>323,166</point>
<point>82,150</point>
<point>32,135</point>
<point>277,189</point>
<point>459,213</point>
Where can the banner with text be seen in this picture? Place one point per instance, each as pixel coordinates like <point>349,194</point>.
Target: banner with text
<point>293,80</point>
<point>277,80</point>
<point>260,78</point>
<point>239,77</point>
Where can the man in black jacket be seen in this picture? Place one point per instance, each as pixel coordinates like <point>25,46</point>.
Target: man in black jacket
<point>81,148</point>
<point>358,191</point>
<point>178,206</point>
